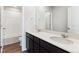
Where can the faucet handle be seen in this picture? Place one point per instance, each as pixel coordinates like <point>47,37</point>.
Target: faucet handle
<point>64,35</point>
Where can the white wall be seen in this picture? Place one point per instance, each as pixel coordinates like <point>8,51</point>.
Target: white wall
<point>29,18</point>
<point>59,19</point>
<point>0,26</point>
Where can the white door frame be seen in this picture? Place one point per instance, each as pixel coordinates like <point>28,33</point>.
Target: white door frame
<point>2,29</point>
<point>23,32</point>
<point>2,10</point>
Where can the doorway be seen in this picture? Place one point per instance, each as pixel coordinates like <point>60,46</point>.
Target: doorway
<point>11,23</point>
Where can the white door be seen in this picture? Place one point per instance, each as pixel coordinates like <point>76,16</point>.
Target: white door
<point>73,19</point>
<point>11,24</point>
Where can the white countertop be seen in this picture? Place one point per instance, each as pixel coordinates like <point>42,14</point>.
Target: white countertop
<point>73,48</point>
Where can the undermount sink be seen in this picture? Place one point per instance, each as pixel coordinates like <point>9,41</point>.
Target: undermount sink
<point>61,40</point>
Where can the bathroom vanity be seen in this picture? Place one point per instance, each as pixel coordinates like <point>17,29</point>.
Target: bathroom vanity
<point>36,45</point>
<point>51,24</point>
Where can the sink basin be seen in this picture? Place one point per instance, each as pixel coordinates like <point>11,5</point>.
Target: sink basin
<point>61,40</point>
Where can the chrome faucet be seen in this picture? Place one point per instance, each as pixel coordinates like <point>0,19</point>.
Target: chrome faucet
<point>38,30</point>
<point>64,35</point>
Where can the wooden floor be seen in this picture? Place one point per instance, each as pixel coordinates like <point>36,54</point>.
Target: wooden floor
<point>12,48</point>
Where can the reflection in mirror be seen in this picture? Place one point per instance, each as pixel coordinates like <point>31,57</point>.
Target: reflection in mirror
<point>73,19</point>
<point>0,29</point>
<point>53,18</point>
<point>58,18</point>
<point>43,16</point>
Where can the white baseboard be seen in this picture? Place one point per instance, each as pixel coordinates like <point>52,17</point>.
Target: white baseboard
<point>24,49</point>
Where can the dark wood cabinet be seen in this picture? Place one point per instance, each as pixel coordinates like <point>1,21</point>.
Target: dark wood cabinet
<point>29,42</point>
<point>51,48</point>
<point>43,50</point>
<point>36,40</point>
<point>36,48</point>
<point>37,45</point>
<point>31,46</point>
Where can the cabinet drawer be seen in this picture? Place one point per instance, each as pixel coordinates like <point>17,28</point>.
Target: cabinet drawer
<point>51,48</point>
<point>43,43</point>
<point>29,36</point>
<point>36,40</point>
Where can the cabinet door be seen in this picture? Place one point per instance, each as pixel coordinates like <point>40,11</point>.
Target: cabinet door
<point>31,46</point>
<point>43,50</point>
<point>29,35</point>
<point>36,40</point>
<point>36,48</point>
<point>27,43</point>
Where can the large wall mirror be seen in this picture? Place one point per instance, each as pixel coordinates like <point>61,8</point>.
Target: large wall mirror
<point>58,18</point>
